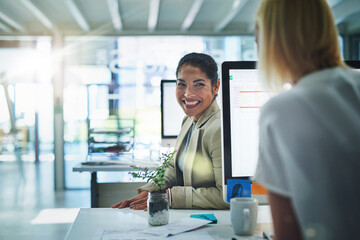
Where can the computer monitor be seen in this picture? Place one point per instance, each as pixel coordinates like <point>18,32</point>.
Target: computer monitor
<point>353,64</point>
<point>171,113</point>
<point>242,97</point>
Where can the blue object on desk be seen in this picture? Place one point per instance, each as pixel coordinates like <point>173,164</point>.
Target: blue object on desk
<point>211,217</point>
<point>238,188</point>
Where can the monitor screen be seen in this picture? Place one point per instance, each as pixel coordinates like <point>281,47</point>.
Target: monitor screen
<point>171,113</point>
<point>242,98</point>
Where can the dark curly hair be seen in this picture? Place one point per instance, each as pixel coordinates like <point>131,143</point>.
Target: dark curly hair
<point>202,61</point>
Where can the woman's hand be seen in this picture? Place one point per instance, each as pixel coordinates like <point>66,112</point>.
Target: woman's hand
<point>138,202</point>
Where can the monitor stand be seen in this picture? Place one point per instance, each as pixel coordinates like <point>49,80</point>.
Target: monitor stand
<point>165,142</point>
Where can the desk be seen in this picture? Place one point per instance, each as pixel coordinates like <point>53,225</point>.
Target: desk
<point>117,166</point>
<point>90,221</point>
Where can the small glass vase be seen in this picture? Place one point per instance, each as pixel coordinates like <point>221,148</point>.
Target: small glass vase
<point>158,208</point>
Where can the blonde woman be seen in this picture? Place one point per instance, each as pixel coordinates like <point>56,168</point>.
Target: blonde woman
<point>309,157</point>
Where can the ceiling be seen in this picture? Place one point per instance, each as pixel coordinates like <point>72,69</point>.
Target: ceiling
<point>145,17</point>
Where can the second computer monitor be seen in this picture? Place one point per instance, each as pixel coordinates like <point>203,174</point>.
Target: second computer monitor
<point>171,113</point>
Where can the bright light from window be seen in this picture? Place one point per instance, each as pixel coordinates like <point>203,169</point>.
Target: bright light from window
<point>56,215</point>
<point>155,81</point>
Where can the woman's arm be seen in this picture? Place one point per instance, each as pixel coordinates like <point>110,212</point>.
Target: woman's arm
<point>285,222</point>
<point>137,202</point>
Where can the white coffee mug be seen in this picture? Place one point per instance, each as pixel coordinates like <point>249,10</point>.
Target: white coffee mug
<point>243,213</point>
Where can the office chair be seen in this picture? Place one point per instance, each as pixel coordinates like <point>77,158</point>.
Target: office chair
<point>12,136</point>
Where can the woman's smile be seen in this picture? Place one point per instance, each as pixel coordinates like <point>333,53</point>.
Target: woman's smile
<point>191,104</point>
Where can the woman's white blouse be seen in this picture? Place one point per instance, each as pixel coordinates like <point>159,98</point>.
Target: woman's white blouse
<point>309,151</point>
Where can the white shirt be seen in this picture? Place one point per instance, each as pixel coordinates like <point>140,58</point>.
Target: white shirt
<point>309,151</point>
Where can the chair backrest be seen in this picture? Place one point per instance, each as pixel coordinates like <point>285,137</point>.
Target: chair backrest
<point>10,104</point>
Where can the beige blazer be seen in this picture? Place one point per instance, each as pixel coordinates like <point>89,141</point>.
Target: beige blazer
<point>200,185</point>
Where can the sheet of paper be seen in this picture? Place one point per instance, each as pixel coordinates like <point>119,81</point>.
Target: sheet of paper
<point>121,235</point>
<point>117,235</point>
<point>180,226</point>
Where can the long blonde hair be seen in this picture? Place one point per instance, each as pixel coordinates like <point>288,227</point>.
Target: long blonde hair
<point>295,37</point>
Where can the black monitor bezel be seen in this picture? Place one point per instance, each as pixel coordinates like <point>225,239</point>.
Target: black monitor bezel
<point>353,63</point>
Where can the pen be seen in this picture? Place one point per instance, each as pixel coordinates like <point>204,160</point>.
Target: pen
<point>269,235</point>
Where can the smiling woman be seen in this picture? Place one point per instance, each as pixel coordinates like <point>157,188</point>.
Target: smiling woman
<point>193,178</point>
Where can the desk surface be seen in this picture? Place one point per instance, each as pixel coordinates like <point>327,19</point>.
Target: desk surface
<point>90,221</point>
<point>116,166</point>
